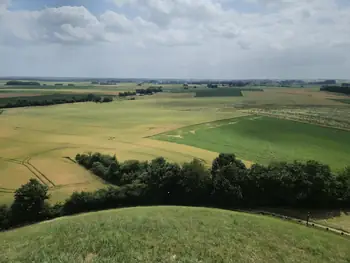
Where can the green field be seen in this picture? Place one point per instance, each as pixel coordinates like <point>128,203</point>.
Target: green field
<point>171,234</point>
<point>264,139</point>
<point>223,92</point>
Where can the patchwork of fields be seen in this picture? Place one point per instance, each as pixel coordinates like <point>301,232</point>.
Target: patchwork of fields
<point>41,142</point>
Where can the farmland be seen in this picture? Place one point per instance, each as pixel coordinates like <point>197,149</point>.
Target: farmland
<point>219,93</point>
<point>43,137</point>
<point>265,139</point>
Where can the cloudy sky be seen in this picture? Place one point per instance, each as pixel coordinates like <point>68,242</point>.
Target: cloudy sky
<point>228,39</point>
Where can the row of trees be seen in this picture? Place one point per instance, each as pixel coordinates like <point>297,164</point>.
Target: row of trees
<point>53,100</point>
<point>149,91</point>
<point>297,184</point>
<point>338,89</point>
<point>22,83</point>
<point>127,93</point>
<point>212,86</point>
<point>227,184</point>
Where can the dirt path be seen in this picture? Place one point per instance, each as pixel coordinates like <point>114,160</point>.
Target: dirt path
<point>299,221</point>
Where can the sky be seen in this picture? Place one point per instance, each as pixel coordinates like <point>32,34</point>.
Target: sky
<point>219,39</point>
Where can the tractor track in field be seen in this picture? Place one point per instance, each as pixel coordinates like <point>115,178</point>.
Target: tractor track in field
<point>7,190</point>
<point>32,169</point>
<point>38,171</point>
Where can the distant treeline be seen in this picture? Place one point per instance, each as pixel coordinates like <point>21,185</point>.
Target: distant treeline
<point>22,83</point>
<point>345,89</point>
<point>251,89</point>
<point>222,92</point>
<point>127,93</point>
<point>45,100</point>
<point>148,91</point>
<point>228,183</point>
<point>228,84</point>
<point>31,83</point>
<point>324,82</point>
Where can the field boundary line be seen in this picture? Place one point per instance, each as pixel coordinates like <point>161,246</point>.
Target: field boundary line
<point>300,121</point>
<point>164,150</point>
<point>193,125</point>
<point>57,187</point>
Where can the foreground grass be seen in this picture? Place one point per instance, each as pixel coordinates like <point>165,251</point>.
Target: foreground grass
<point>171,234</point>
<point>265,139</point>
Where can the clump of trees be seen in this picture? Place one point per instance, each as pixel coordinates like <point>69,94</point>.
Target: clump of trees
<point>212,86</point>
<point>228,183</point>
<point>54,99</point>
<point>127,93</point>
<point>150,90</point>
<point>22,83</point>
<point>338,89</point>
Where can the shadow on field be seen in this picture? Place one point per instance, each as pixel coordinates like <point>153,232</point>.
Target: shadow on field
<point>314,214</point>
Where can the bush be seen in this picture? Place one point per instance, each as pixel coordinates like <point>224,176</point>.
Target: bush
<point>29,204</point>
<point>4,217</point>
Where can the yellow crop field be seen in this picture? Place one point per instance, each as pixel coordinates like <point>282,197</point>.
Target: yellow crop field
<point>41,142</point>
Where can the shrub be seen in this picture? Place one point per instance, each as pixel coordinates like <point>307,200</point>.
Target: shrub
<point>4,217</point>
<point>29,203</point>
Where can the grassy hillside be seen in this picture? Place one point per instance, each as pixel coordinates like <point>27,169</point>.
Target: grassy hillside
<point>171,234</point>
<point>265,139</point>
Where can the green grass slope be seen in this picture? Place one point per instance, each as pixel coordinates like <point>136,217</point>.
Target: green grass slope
<point>171,234</point>
<point>266,139</point>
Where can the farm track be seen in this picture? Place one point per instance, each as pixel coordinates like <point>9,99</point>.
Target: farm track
<point>35,171</point>
<point>299,221</point>
<point>7,190</point>
<point>285,117</point>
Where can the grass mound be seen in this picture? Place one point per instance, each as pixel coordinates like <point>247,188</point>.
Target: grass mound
<point>171,234</point>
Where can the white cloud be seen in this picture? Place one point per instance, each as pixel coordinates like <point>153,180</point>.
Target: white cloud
<point>213,38</point>
<point>4,4</point>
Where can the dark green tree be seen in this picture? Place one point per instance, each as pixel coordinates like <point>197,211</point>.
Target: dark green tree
<point>4,217</point>
<point>29,204</point>
<point>195,184</point>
